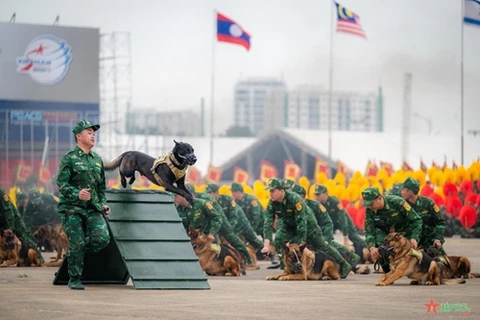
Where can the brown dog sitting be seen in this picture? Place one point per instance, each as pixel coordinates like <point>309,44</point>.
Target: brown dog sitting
<point>58,239</point>
<point>14,251</point>
<point>304,264</point>
<point>408,262</point>
<point>215,260</point>
<point>454,266</point>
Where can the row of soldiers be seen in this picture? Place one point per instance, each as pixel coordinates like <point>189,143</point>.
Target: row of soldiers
<point>241,216</point>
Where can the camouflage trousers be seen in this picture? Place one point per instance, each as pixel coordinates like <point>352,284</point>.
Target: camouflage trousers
<point>226,231</point>
<point>315,239</point>
<point>86,231</point>
<point>358,242</point>
<point>246,230</point>
<point>351,257</point>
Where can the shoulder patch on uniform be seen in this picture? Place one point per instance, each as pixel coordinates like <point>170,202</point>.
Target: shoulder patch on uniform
<point>6,198</point>
<point>254,203</point>
<point>339,206</point>
<point>322,208</point>
<point>233,203</point>
<point>209,205</point>
<point>406,206</point>
<point>298,206</point>
<point>436,208</point>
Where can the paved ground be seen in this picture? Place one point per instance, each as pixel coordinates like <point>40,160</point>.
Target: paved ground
<point>34,297</point>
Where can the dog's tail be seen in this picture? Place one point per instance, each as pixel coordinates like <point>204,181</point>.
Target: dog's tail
<point>454,281</point>
<point>473,275</point>
<point>112,165</point>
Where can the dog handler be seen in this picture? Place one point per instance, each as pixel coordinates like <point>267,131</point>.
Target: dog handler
<point>81,183</point>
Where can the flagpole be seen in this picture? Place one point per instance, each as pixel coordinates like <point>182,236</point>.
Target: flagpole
<point>461,87</point>
<point>330,84</point>
<point>212,93</point>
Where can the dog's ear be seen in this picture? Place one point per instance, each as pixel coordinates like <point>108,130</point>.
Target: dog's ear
<point>285,247</point>
<point>392,229</point>
<point>302,247</point>
<point>175,141</point>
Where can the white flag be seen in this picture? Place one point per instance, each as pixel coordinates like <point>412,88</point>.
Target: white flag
<point>472,12</point>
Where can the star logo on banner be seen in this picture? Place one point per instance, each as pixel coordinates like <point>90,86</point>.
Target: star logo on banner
<point>432,306</point>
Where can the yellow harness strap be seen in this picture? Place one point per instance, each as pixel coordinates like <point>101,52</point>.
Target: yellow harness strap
<point>169,160</point>
<point>417,254</point>
<point>215,248</point>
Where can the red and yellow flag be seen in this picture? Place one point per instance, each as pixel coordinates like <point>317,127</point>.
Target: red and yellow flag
<point>423,167</point>
<point>320,166</point>
<point>23,173</point>
<point>240,176</point>
<point>387,166</point>
<point>372,169</point>
<point>406,166</point>
<point>341,167</point>
<point>214,174</point>
<point>44,175</point>
<point>291,171</point>
<point>267,171</point>
<point>193,176</point>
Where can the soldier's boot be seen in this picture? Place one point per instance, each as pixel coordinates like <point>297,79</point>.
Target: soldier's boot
<point>275,264</point>
<point>75,284</point>
<point>278,265</point>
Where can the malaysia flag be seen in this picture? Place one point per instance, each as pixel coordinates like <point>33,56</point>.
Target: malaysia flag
<point>230,31</point>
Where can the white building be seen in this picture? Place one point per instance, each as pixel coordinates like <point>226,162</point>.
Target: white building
<point>257,101</point>
<point>308,109</point>
<point>178,123</point>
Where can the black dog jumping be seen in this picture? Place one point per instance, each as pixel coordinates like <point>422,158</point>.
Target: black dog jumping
<point>163,171</point>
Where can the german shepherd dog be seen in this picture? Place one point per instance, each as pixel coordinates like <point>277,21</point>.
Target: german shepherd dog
<point>14,251</point>
<point>454,266</point>
<point>406,261</point>
<point>215,260</point>
<point>56,236</point>
<point>306,265</point>
<point>170,171</point>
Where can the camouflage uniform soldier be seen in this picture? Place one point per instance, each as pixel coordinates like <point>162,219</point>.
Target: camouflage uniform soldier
<point>383,213</point>
<point>250,206</point>
<point>200,216</point>
<point>11,219</point>
<point>226,230</point>
<point>22,200</point>
<point>81,183</point>
<point>242,226</point>
<point>296,224</point>
<point>40,209</point>
<point>433,223</point>
<point>341,219</point>
<point>326,224</point>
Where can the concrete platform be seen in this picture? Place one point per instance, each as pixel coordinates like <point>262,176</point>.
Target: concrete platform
<point>28,293</point>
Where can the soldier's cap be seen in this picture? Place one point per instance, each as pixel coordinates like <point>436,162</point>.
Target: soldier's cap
<point>21,196</point>
<point>190,187</point>
<point>395,190</point>
<point>412,184</point>
<point>34,196</point>
<point>236,187</point>
<point>289,183</point>
<point>299,189</point>
<point>212,187</point>
<point>84,124</point>
<point>276,184</point>
<point>369,195</point>
<point>320,188</point>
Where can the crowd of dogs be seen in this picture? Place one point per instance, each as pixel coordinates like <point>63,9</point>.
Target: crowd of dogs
<point>301,262</point>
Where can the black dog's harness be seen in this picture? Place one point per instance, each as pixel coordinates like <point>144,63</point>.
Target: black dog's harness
<point>172,164</point>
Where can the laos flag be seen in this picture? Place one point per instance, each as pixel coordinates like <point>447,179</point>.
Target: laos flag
<point>229,31</point>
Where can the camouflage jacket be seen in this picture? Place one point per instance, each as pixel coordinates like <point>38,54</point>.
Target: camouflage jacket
<point>202,215</point>
<point>79,170</point>
<point>46,212</point>
<point>396,213</point>
<point>337,213</point>
<point>252,209</point>
<point>322,217</point>
<point>433,222</point>
<point>230,208</point>
<point>292,214</point>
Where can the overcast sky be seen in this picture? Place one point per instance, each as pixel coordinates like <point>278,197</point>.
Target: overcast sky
<point>172,48</point>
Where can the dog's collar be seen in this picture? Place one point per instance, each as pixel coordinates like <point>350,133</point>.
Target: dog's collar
<point>174,160</point>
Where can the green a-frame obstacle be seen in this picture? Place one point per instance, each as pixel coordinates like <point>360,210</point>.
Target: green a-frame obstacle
<point>148,244</point>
